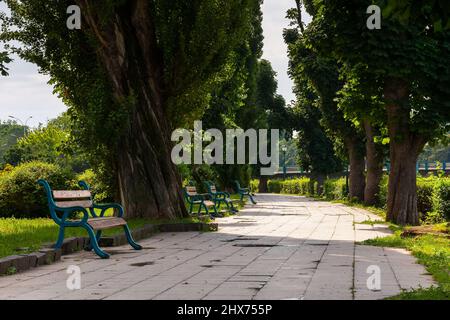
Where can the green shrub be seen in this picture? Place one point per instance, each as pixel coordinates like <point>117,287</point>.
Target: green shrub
<point>274,186</point>
<point>425,190</point>
<point>441,197</point>
<point>20,194</point>
<point>335,189</point>
<point>290,186</point>
<point>297,186</point>
<point>100,191</point>
<point>254,185</point>
<point>382,194</point>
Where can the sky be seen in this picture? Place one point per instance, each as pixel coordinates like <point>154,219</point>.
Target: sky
<point>25,93</point>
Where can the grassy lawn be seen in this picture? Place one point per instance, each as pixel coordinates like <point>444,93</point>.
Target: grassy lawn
<point>432,251</point>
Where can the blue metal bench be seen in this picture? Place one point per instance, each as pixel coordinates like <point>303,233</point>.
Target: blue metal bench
<point>244,192</point>
<point>194,198</point>
<point>220,197</point>
<point>68,203</point>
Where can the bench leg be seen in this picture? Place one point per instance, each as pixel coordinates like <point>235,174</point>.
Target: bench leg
<point>94,243</point>
<point>98,235</point>
<point>216,213</point>
<point>130,238</point>
<point>233,209</point>
<point>251,199</point>
<point>60,240</point>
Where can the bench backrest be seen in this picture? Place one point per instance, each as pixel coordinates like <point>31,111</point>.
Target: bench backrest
<point>191,191</point>
<point>73,198</point>
<point>213,188</point>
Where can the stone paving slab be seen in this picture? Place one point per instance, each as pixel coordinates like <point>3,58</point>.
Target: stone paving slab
<point>286,247</point>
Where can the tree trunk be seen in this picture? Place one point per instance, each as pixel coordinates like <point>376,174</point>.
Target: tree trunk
<point>320,179</point>
<point>148,182</point>
<point>374,157</point>
<point>263,184</point>
<point>357,179</point>
<point>405,147</point>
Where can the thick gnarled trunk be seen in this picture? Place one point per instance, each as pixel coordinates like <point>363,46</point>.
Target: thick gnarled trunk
<point>405,147</point>
<point>374,161</point>
<point>147,179</point>
<point>357,179</point>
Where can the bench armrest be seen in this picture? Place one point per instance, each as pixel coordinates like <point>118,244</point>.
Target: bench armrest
<point>106,206</point>
<point>67,211</point>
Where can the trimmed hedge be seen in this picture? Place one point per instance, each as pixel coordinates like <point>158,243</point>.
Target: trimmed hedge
<point>441,197</point>
<point>298,186</point>
<point>425,191</point>
<point>335,189</point>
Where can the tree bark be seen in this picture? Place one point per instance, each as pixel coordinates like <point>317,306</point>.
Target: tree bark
<point>148,181</point>
<point>263,184</point>
<point>374,160</point>
<point>357,180</point>
<point>405,147</point>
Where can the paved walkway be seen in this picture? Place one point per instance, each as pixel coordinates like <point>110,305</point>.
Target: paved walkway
<point>285,247</point>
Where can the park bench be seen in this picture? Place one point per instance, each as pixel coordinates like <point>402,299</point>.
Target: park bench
<point>194,198</point>
<point>220,197</point>
<point>64,205</point>
<point>244,192</point>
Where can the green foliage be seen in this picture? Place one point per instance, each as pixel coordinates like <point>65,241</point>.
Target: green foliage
<point>4,59</point>
<point>297,186</point>
<point>10,132</point>
<point>425,189</point>
<point>432,198</point>
<point>335,189</point>
<point>441,198</point>
<point>254,185</point>
<point>382,195</point>
<point>438,12</point>
<point>20,194</point>
<point>397,51</point>
<point>199,46</point>
<point>102,193</point>
<point>49,144</point>
<point>274,186</point>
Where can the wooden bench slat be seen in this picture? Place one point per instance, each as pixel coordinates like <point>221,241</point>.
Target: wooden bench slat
<point>70,204</point>
<point>71,194</point>
<point>209,203</point>
<point>191,191</point>
<point>106,223</point>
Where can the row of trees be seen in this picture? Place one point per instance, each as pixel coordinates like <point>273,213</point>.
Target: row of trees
<point>139,69</point>
<point>371,92</point>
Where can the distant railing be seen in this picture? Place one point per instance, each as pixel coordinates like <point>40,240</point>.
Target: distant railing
<point>422,167</point>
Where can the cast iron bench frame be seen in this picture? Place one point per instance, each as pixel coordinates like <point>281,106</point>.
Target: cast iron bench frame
<point>68,202</point>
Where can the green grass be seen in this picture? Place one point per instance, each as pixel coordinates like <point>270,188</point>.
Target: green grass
<point>371,222</point>
<point>375,210</point>
<point>433,252</point>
